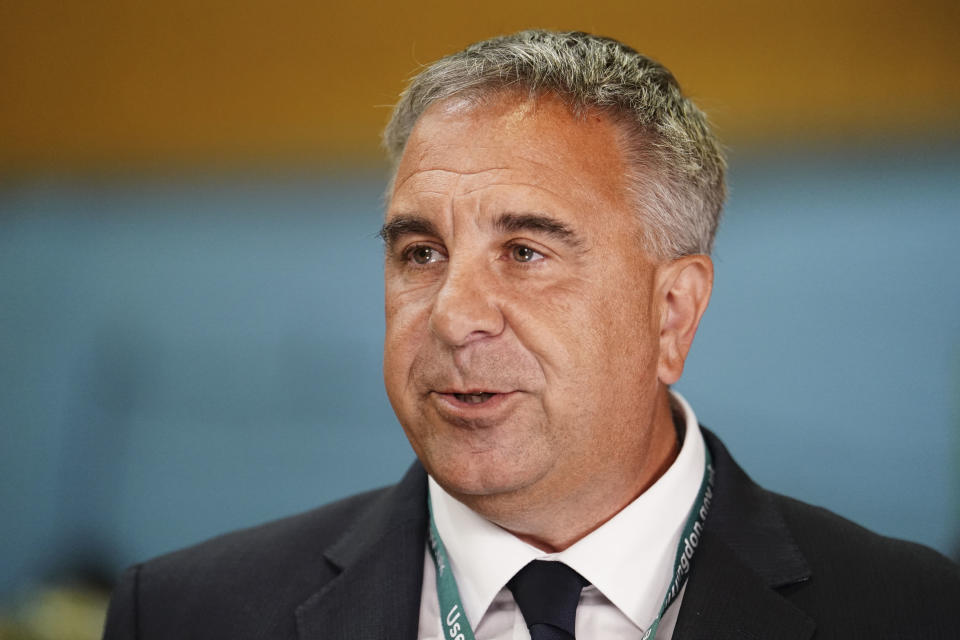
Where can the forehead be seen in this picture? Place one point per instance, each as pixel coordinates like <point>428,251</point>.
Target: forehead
<point>511,146</point>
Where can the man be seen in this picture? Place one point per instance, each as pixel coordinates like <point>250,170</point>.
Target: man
<point>547,236</point>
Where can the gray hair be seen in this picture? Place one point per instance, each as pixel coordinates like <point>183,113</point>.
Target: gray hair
<point>677,166</point>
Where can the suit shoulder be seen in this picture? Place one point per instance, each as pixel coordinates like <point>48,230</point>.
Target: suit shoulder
<point>290,540</point>
<point>249,584</point>
<point>241,584</point>
<point>837,539</point>
<point>860,568</point>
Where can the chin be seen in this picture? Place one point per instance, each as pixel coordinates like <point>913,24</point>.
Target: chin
<point>481,474</point>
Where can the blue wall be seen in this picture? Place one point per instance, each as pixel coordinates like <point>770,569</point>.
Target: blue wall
<point>184,356</point>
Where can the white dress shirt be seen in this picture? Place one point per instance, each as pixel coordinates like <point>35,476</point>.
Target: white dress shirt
<point>628,560</point>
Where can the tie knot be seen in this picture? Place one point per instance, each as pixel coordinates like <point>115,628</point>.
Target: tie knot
<point>548,594</point>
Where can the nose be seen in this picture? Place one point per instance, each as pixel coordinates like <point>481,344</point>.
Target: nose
<point>466,308</point>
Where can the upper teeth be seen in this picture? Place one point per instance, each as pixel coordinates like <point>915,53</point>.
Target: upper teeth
<point>472,398</point>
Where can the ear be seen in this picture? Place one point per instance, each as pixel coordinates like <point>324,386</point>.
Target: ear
<point>684,287</point>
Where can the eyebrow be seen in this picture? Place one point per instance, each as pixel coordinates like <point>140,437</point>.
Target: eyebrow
<point>406,225</point>
<point>539,223</point>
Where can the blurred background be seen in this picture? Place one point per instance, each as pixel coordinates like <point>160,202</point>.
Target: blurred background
<point>190,282</point>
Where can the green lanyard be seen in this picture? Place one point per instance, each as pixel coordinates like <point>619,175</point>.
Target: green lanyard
<point>454,620</point>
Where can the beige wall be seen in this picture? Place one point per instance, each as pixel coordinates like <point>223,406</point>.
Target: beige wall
<point>121,83</point>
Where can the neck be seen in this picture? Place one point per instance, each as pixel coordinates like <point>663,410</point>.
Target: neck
<point>551,523</point>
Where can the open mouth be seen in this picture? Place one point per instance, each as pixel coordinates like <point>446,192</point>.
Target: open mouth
<point>473,398</point>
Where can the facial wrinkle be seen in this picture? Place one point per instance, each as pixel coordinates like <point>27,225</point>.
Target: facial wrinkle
<point>511,183</point>
<point>452,208</point>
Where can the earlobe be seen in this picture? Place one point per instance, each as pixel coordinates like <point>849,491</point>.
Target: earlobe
<point>685,286</point>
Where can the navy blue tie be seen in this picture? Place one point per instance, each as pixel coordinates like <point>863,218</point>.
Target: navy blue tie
<point>548,594</point>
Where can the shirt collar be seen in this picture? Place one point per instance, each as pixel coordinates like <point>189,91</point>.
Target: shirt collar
<point>629,558</point>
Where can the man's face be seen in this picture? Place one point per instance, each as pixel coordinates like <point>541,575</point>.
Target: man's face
<point>521,335</point>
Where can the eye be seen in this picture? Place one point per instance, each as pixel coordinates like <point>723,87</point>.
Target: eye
<point>423,254</point>
<point>522,253</point>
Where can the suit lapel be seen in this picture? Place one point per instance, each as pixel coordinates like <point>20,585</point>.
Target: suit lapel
<point>725,599</point>
<point>746,553</point>
<point>376,593</point>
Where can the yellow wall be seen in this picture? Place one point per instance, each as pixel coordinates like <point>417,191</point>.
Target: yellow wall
<point>119,83</point>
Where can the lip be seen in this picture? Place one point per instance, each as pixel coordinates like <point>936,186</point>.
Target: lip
<point>448,403</point>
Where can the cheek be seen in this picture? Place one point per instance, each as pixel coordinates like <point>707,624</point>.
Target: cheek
<point>406,323</point>
<point>407,328</point>
<point>548,311</point>
<point>399,346</point>
<point>571,325</point>
<point>600,333</point>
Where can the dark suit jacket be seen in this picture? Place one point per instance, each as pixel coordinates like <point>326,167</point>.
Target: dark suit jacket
<point>767,567</point>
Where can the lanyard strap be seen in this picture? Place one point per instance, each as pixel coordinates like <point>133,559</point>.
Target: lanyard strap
<point>454,620</point>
